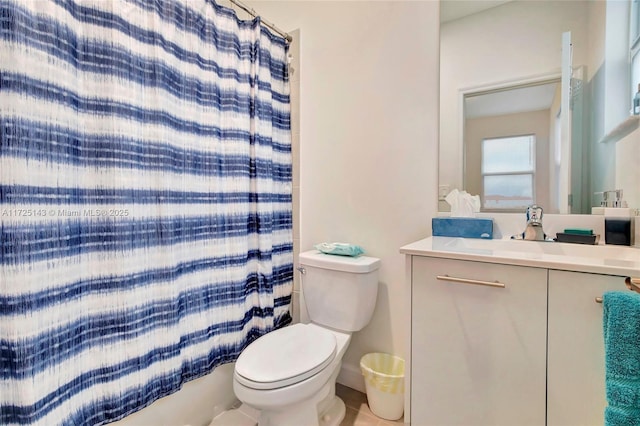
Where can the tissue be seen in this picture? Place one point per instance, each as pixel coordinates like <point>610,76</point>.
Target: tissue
<point>463,204</point>
<point>462,222</point>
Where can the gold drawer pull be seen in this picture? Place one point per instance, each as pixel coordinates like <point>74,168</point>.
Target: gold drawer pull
<point>632,284</point>
<point>468,281</point>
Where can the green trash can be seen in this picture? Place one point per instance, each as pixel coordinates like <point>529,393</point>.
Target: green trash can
<point>384,382</point>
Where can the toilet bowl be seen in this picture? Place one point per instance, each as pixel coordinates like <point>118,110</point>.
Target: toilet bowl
<point>289,375</point>
<point>283,373</point>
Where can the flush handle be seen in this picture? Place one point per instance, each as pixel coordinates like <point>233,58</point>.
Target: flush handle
<point>301,270</point>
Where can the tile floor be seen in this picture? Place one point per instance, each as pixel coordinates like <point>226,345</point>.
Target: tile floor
<point>358,412</point>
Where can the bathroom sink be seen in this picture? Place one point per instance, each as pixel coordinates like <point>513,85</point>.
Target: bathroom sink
<point>545,248</point>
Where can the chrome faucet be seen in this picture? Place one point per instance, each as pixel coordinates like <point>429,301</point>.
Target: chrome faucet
<point>534,231</point>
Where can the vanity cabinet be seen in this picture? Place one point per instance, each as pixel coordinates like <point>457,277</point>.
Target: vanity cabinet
<point>576,370</point>
<point>478,351</point>
<point>528,353</point>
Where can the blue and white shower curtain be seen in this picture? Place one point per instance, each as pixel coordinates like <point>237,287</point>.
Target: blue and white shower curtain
<point>145,201</point>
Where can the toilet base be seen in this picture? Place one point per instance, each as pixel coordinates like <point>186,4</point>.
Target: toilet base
<point>323,409</point>
<point>334,414</point>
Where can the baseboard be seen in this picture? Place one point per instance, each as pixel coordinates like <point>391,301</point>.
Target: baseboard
<point>351,376</point>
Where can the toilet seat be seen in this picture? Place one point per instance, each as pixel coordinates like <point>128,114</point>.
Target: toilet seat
<point>285,357</point>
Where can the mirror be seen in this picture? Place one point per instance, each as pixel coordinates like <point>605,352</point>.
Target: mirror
<point>500,50</point>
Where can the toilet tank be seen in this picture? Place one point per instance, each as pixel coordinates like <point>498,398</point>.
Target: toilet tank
<point>339,291</point>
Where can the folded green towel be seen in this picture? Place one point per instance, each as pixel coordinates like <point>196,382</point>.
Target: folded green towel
<point>578,231</point>
<point>341,249</point>
<point>621,323</point>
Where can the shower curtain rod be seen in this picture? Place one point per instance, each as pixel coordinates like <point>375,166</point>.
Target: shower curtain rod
<point>253,13</point>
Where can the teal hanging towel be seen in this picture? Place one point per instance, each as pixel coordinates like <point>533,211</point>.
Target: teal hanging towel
<point>621,322</point>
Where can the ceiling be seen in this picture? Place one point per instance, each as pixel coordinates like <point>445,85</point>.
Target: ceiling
<point>523,99</point>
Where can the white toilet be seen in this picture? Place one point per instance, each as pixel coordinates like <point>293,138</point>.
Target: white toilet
<point>289,375</point>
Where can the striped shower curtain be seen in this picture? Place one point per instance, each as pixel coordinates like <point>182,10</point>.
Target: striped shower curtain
<point>145,201</point>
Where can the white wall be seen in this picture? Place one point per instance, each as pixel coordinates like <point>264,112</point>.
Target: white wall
<point>368,140</point>
<point>614,163</point>
<point>627,172</point>
<point>596,14</point>
<point>516,40</point>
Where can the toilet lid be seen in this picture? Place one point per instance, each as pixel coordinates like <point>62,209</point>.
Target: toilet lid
<point>285,356</point>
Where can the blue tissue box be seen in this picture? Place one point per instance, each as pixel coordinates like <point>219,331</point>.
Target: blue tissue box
<point>465,227</point>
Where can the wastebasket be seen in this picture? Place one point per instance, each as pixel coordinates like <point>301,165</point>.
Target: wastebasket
<point>384,382</point>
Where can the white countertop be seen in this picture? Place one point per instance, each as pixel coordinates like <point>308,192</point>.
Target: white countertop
<point>597,259</point>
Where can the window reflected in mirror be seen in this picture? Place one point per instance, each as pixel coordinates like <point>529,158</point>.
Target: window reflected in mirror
<point>508,173</point>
